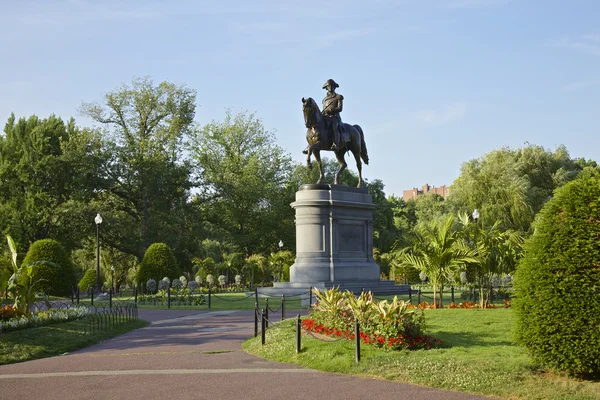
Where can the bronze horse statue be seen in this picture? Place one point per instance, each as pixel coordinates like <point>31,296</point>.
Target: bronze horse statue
<point>320,137</point>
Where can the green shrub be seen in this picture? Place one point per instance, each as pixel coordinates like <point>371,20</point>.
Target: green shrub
<point>557,283</point>
<point>89,280</point>
<point>158,262</point>
<point>58,279</point>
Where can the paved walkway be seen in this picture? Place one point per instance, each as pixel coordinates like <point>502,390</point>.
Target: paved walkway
<point>190,355</point>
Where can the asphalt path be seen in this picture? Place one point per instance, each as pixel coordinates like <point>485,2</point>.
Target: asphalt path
<point>190,355</point>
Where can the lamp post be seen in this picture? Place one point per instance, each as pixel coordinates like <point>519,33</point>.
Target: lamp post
<point>112,278</point>
<point>475,216</point>
<point>280,264</point>
<point>98,221</point>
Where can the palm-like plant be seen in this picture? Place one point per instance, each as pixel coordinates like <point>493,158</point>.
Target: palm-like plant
<point>258,262</point>
<point>496,252</point>
<point>231,262</point>
<point>438,250</point>
<point>23,283</point>
<point>280,263</point>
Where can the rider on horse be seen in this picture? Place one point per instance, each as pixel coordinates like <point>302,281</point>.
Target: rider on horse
<point>332,107</point>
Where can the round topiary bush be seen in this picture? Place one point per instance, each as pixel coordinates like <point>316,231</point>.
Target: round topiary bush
<point>89,280</point>
<point>158,262</point>
<point>557,283</point>
<point>58,279</point>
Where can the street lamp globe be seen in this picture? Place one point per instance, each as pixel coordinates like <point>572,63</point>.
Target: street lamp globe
<point>98,219</point>
<point>475,215</point>
<point>280,244</point>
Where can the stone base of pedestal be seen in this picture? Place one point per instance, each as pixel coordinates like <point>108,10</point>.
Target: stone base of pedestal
<point>302,290</point>
<point>334,243</point>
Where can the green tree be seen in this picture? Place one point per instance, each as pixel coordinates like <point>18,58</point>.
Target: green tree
<point>511,186</point>
<point>242,176</point>
<point>146,182</point>
<point>88,281</point>
<point>48,174</point>
<point>430,206</point>
<point>438,250</point>
<point>57,275</point>
<point>557,283</point>
<point>158,262</point>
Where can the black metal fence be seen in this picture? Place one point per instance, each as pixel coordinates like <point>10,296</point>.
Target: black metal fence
<point>261,318</point>
<point>106,317</point>
<point>177,297</point>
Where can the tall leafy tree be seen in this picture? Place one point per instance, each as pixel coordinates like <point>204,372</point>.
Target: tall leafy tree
<point>511,185</point>
<point>243,174</point>
<point>147,181</point>
<point>48,173</point>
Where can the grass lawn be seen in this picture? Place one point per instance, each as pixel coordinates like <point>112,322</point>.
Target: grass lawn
<point>52,340</point>
<point>478,357</point>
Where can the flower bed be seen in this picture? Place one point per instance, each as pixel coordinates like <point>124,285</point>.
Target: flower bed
<point>399,342</point>
<point>45,317</point>
<point>393,326</point>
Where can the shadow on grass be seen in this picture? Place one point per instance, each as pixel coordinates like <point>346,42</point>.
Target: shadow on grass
<point>468,339</point>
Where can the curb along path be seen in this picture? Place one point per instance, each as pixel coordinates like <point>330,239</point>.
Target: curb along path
<point>190,355</point>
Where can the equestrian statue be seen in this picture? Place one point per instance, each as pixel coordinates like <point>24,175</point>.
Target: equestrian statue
<point>326,131</point>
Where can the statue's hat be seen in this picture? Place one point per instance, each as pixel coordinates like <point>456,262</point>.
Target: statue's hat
<point>332,83</point>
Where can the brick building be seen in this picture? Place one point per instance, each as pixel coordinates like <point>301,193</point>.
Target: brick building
<point>414,192</point>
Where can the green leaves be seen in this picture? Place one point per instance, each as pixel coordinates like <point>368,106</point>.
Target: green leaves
<point>243,176</point>
<point>557,282</point>
<point>438,249</point>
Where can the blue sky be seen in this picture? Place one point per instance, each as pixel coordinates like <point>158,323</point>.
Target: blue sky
<point>433,83</point>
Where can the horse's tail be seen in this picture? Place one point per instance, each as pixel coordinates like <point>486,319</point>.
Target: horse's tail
<point>363,145</point>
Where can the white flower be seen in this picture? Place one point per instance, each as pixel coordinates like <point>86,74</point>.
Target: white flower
<point>210,279</point>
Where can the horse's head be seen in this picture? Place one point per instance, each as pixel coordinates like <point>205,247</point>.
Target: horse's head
<point>311,111</point>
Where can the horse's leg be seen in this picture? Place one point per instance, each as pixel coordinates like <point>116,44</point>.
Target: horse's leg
<point>340,157</point>
<point>309,152</point>
<point>317,154</point>
<point>356,153</point>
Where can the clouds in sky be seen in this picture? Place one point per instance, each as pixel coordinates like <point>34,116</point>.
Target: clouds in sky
<point>587,44</point>
<point>448,114</point>
<point>575,86</point>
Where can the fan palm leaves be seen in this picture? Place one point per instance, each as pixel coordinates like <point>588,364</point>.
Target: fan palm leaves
<point>496,250</point>
<point>258,262</point>
<point>437,248</point>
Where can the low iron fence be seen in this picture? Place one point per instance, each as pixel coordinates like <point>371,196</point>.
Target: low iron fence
<point>261,318</point>
<point>180,297</point>
<point>104,318</point>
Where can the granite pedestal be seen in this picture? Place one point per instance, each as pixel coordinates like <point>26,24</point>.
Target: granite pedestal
<point>334,242</point>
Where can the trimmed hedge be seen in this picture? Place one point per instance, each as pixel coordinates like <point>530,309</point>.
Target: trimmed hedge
<point>158,262</point>
<point>58,280</point>
<point>557,283</point>
<point>89,280</point>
